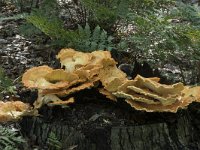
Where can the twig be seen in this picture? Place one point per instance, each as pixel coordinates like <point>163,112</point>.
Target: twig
<point>182,74</point>
<point>17,79</point>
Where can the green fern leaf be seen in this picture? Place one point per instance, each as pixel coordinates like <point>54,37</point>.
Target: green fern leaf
<point>87,31</point>
<point>9,138</point>
<point>96,33</point>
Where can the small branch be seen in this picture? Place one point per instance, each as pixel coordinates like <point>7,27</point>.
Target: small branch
<point>182,74</point>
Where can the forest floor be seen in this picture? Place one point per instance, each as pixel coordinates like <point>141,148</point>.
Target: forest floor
<point>92,114</point>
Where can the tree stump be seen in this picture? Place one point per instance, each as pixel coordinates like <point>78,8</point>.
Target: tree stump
<point>96,123</point>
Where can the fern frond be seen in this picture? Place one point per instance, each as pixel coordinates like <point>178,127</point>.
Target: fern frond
<point>10,139</point>
<point>96,33</point>
<point>15,17</point>
<point>92,40</point>
<point>53,142</point>
<point>6,84</point>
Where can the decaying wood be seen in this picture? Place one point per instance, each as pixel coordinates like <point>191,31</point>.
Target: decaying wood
<point>100,125</point>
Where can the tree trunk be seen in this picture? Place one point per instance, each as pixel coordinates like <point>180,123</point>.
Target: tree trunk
<point>104,125</point>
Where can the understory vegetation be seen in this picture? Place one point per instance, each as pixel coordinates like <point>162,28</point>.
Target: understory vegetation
<point>158,32</point>
<point>6,84</point>
<point>10,138</point>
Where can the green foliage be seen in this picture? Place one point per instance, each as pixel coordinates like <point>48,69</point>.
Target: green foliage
<point>47,21</point>
<point>187,13</point>
<point>106,13</point>
<point>81,39</point>
<point>53,142</point>
<point>163,31</point>
<point>14,17</point>
<point>101,16</point>
<point>29,30</point>
<point>52,26</point>
<point>6,84</point>
<point>25,5</point>
<point>10,139</point>
<point>166,36</point>
<point>141,6</point>
<point>88,40</point>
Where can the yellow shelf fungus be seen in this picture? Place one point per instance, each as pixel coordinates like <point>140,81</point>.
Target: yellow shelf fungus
<point>86,70</point>
<point>14,110</point>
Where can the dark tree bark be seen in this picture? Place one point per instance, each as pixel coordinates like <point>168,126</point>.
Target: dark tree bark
<point>98,124</point>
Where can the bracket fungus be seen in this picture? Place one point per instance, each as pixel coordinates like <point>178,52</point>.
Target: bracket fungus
<point>51,100</point>
<point>71,59</point>
<point>33,76</point>
<point>149,95</point>
<point>14,110</point>
<point>108,94</point>
<point>86,70</point>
